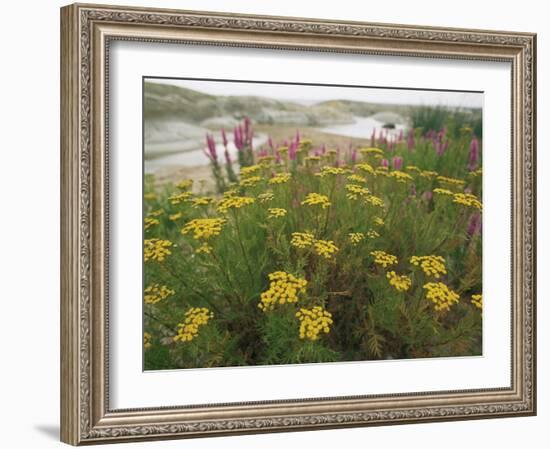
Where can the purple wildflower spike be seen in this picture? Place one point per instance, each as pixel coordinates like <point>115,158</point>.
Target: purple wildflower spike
<point>474,154</point>
<point>410,140</point>
<point>397,162</point>
<point>211,148</point>
<point>474,225</point>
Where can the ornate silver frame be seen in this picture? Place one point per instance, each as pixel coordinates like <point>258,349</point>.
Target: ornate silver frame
<point>87,31</point>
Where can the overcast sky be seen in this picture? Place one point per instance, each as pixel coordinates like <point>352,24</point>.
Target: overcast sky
<point>312,94</point>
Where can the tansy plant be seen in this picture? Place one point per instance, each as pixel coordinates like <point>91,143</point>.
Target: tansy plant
<point>305,252</point>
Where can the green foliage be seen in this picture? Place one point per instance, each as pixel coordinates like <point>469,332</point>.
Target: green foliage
<point>351,310</point>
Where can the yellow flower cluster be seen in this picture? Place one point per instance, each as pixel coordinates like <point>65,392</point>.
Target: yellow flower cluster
<point>431,265</point>
<point>230,192</point>
<point>247,171</point>
<point>401,283</point>
<point>276,212</point>
<point>378,221</point>
<point>250,181</point>
<point>366,167</point>
<point>204,248</point>
<point>313,199</point>
<point>155,293</point>
<point>312,159</point>
<point>355,191</point>
<point>356,178</point>
<point>313,322</point>
<point>371,151</point>
<point>147,340</point>
<point>325,248</point>
<point>282,150</point>
<point>283,288</point>
<point>178,198</point>
<point>195,317</point>
<point>156,249</point>
<point>265,197</point>
<point>477,300</point>
<point>280,178</point>
<point>467,199</point>
<point>400,176</point>
<point>412,168</point>
<point>450,181</point>
<point>441,295</point>
<point>356,237</point>
<point>186,184</point>
<point>383,258</point>
<point>476,173</point>
<point>201,201</point>
<point>329,170</point>
<point>443,192</point>
<point>155,213</point>
<point>150,196</point>
<point>428,174</point>
<point>175,217</point>
<point>204,228</point>
<point>302,239</point>
<point>265,161</point>
<point>149,222</point>
<point>372,234</point>
<point>383,171</point>
<point>374,201</point>
<point>234,202</point>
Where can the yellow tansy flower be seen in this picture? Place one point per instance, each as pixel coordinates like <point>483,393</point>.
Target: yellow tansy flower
<point>234,202</point>
<point>195,318</point>
<point>401,283</point>
<point>204,228</point>
<point>477,300</point>
<point>280,178</point>
<point>283,288</point>
<point>276,212</point>
<point>313,322</point>
<point>156,249</point>
<point>441,296</point>
<point>302,239</point>
<point>325,248</point>
<point>156,292</point>
<point>431,265</point>
<point>313,199</point>
<point>383,258</point>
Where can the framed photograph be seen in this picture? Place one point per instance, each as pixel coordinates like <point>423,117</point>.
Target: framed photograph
<point>280,224</point>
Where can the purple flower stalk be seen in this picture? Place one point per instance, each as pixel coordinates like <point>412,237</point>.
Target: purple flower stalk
<point>384,163</point>
<point>271,145</point>
<point>373,138</point>
<point>410,140</point>
<point>400,138</point>
<point>474,154</point>
<point>227,157</point>
<point>397,162</point>
<point>474,225</point>
<point>292,150</point>
<point>211,148</point>
<point>238,138</point>
<point>353,156</point>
